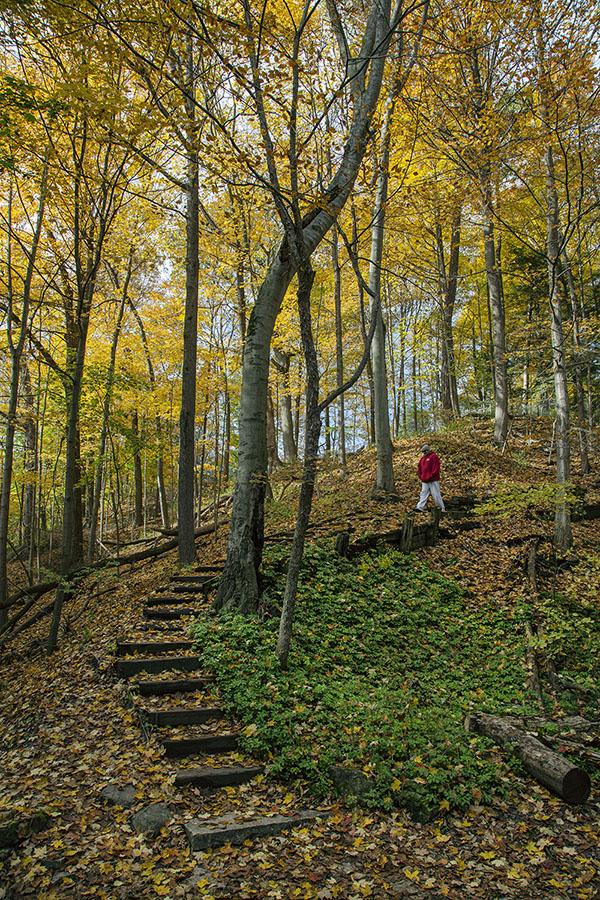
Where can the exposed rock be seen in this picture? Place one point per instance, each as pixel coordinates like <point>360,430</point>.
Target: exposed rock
<point>124,797</point>
<point>151,819</point>
<point>351,781</point>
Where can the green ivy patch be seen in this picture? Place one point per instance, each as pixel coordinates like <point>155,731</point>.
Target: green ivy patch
<point>387,659</point>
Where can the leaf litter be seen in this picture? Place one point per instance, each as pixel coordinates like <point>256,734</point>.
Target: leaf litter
<point>68,729</point>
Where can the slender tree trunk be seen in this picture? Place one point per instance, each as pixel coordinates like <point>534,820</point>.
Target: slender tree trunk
<point>562,517</point>
<point>339,348</point>
<point>138,478</point>
<point>306,277</point>
<point>447,294</point>
<point>497,317</point>
<point>363,328</point>
<point>577,362</point>
<point>110,377</point>
<point>16,351</point>
<point>30,465</point>
<point>160,466</point>
<point>70,554</point>
<point>187,418</point>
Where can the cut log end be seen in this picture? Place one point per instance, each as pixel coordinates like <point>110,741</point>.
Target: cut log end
<point>576,786</point>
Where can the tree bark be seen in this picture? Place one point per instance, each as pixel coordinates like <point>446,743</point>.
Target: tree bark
<point>187,418</point>
<point>239,583</point>
<point>16,351</point>
<point>339,349</point>
<point>552,770</point>
<point>101,456</point>
<point>563,537</point>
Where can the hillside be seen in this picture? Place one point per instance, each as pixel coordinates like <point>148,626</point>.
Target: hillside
<point>399,648</point>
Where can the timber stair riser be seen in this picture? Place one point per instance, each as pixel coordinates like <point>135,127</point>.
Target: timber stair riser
<point>160,688</point>
<point>168,615</point>
<point>193,587</point>
<point>219,743</point>
<point>129,667</point>
<point>226,776</point>
<point>168,599</point>
<point>161,718</point>
<point>155,648</point>
<point>195,579</point>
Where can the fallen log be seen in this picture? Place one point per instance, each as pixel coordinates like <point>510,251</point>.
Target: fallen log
<point>551,769</point>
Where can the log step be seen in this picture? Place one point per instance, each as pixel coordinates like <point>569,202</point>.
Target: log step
<point>165,599</point>
<point>199,579</point>
<point>209,743</point>
<point>167,615</point>
<point>159,627</point>
<point>163,717</point>
<point>221,777</point>
<point>154,647</point>
<point>203,834</point>
<point>154,665</point>
<point>191,587</point>
<point>179,686</point>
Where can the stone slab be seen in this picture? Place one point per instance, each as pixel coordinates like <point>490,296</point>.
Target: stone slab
<point>226,830</point>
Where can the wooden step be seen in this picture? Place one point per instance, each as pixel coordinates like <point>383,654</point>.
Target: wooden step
<point>157,627</point>
<point>221,777</point>
<point>199,579</point>
<point>168,615</point>
<point>205,833</point>
<point>168,600</point>
<point>179,686</point>
<point>191,587</point>
<point>156,664</point>
<point>208,743</point>
<point>163,717</point>
<point>124,648</point>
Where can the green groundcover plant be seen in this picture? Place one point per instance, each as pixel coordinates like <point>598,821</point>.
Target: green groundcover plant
<point>387,660</point>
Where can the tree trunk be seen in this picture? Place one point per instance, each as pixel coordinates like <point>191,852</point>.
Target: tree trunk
<point>306,277</point>
<point>187,418</point>
<point>339,348</point>
<point>239,582</point>
<point>30,466</point>
<point>384,480</point>
<point>101,456</point>
<point>16,351</point>
<point>70,554</point>
<point>497,318</point>
<point>138,515</point>
<point>160,467</point>
<point>447,294</point>
<point>562,517</point>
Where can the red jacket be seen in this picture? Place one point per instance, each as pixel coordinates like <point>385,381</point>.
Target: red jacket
<point>429,467</point>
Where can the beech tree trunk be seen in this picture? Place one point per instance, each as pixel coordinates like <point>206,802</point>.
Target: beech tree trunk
<point>101,456</point>
<point>138,514</point>
<point>239,583</point>
<point>384,480</point>
<point>447,281</point>
<point>497,316</point>
<point>16,352</point>
<point>563,537</point>
<point>339,349</point>
<point>187,417</point>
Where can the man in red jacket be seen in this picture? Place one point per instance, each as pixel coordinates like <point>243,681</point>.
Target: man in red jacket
<point>429,473</point>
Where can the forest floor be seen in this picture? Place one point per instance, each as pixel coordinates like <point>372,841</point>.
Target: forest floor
<point>66,729</point>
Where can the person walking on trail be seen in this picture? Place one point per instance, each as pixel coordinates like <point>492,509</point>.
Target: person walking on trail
<point>429,473</point>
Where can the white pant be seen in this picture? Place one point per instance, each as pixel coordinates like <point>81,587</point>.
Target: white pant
<point>433,488</point>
